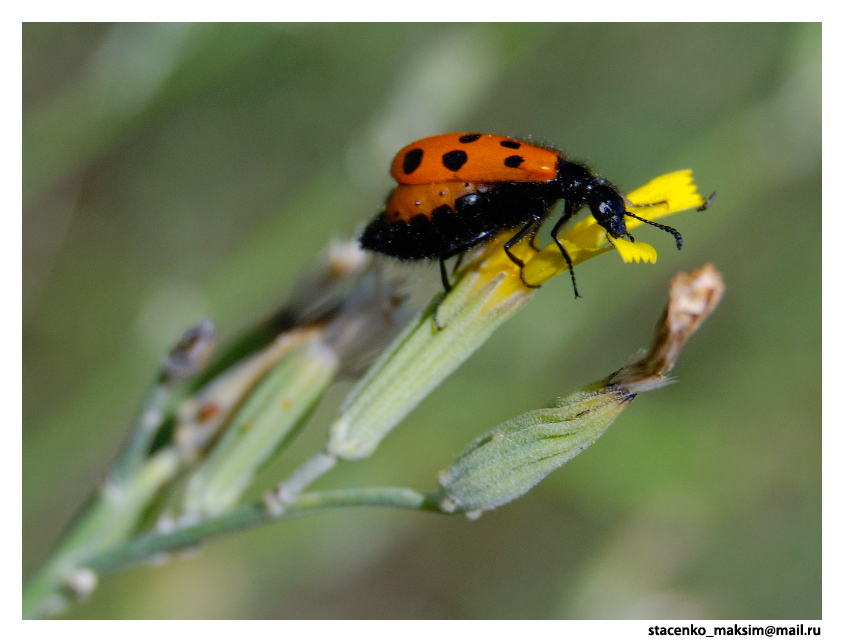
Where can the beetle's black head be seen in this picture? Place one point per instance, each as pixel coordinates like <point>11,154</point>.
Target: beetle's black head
<point>608,208</point>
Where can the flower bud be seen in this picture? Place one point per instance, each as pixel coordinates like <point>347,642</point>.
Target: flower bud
<point>506,462</point>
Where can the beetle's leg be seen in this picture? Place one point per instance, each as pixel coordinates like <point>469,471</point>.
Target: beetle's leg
<point>447,287</point>
<point>458,263</point>
<point>568,211</point>
<point>528,228</point>
<point>444,277</point>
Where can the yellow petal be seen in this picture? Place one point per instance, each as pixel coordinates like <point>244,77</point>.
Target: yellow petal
<point>664,195</point>
<point>635,251</point>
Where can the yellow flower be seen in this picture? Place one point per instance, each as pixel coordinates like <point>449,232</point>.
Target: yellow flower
<point>586,239</point>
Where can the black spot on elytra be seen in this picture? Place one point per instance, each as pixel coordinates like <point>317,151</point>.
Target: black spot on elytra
<point>513,145</point>
<point>454,160</point>
<point>514,161</point>
<point>469,138</point>
<point>412,160</point>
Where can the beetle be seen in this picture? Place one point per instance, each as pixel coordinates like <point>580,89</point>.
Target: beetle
<point>458,190</point>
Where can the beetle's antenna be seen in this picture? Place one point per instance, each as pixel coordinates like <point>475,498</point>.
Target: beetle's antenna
<point>679,240</point>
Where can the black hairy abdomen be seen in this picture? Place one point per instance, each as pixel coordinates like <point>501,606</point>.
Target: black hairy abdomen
<point>475,219</point>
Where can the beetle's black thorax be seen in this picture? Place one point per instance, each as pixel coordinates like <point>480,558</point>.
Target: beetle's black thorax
<point>576,182</point>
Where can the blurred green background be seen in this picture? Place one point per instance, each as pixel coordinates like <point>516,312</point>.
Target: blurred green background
<point>179,171</point>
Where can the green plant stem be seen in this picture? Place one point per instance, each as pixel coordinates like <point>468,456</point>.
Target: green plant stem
<point>108,522</point>
<point>147,423</point>
<point>315,467</point>
<point>247,516</point>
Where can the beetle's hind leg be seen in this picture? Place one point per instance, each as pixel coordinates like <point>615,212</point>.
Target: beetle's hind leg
<point>444,277</point>
<point>444,273</point>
